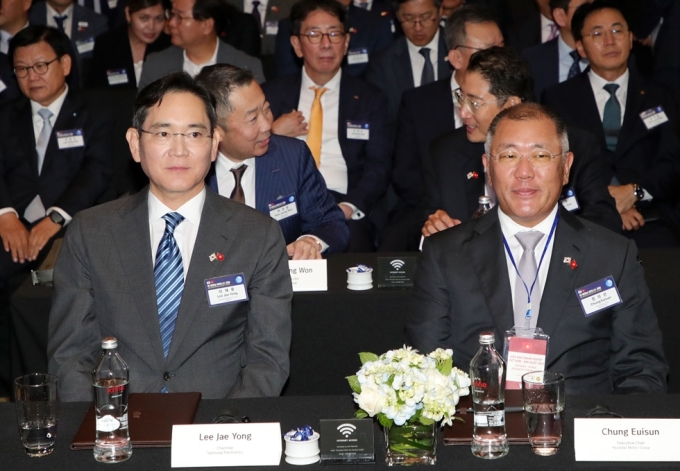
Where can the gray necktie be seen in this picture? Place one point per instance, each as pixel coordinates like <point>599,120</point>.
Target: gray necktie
<point>575,68</point>
<point>527,270</point>
<point>611,118</point>
<point>44,137</point>
<point>428,70</point>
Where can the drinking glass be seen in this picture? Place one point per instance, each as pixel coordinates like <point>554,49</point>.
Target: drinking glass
<point>37,412</point>
<point>543,393</point>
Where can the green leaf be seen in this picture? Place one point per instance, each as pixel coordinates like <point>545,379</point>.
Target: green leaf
<point>425,421</point>
<point>446,367</point>
<point>361,414</point>
<point>384,421</point>
<point>354,384</point>
<point>367,356</point>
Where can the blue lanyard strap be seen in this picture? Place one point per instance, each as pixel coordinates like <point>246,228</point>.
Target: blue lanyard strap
<point>512,259</point>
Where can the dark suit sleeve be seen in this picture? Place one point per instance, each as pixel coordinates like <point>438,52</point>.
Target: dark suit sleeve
<point>638,364</point>
<point>406,175</point>
<point>242,32</point>
<point>268,333</point>
<point>96,167</point>
<point>432,197</point>
<point>319,215</point>
<point>285,60</point>
<point>74,335</point>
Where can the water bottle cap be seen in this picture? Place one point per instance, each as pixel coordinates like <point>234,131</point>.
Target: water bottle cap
<point>486,338</point>
<point>484,200</point>
<point>109,343</point>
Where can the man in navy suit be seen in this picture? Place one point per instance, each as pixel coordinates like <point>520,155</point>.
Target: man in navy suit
<point>417,58</point>
<point>273,174</point>
<point>55,151</point>
<point>347,133</point>
<point>635,122</point>
<point>537,27</point>
<point>80,24</point>
<point>427,112</point>
<point>557,60</point>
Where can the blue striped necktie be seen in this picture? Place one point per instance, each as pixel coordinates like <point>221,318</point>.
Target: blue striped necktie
<point>169,275</point>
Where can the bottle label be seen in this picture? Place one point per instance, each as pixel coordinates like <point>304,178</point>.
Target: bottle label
<point>124,421</point>
<point>108,423</point>
<point>492,418</point>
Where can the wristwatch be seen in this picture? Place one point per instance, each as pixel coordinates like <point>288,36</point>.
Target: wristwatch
<point>638,191</point>
<point>57,218</point>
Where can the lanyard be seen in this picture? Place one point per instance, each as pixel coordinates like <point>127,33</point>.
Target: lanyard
<point>527,318</point>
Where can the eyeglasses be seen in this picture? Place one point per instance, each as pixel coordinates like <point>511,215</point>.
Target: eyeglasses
<point>39,68</point>
<point>598,35</point>
<point>191,139</point>
<point>170,15</point>
<point>315,37</point>
<point>471,104</point>
<point>537,157</point>
<point>425,21</point>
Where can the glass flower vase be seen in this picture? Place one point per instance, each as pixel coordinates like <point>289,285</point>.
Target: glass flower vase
<point>410,444</point>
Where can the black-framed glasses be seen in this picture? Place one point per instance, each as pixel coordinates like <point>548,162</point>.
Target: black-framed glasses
<point>425,21</point>
<point>191,138</point>
<point>315,37</point>
<point>39,68</point>
<point>598,35</point>
<point>537,157</point>
<point>472,105</point>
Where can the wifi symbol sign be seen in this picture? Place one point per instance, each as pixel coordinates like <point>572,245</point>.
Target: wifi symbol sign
<point>346,429</point>
<point>397,264</point>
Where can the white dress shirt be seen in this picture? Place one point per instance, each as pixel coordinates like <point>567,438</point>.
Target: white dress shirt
<point>262,8</point>
<point>185,233</point>
<point>194,69</point>
<point>602,95</point>
<point>418,61</point>
<point>369,4</point>
<point>546,28</point>
<point>226,181</point>
<point>456,107</point>
<point>4,39</point>
<point>510,228</point>
<point>565,60</point>
<point>68,22</point>
<point>139,66</point>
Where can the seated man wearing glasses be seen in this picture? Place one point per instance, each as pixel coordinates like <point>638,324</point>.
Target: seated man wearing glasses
<point>342,118</point>
<point>456,177</point>
<point>530,262</point>
<point>55,151</point>
<point>194,286</point>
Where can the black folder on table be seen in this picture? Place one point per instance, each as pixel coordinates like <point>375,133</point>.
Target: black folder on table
<point>150,419</point>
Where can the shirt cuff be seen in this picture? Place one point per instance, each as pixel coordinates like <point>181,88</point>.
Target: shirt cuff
<point>356,212</point>
<point>9,210</point>
<point>647,197</point>
<point>324,245</point>
<point>64,214</point>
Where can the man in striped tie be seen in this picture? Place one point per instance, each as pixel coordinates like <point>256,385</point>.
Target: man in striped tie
<point>194,286</point>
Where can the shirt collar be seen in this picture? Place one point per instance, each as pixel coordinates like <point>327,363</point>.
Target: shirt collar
<point>598,82</point>
<point>54,107</point>
<point>223,164</point>
<point>510,227</point>
<point>454,84</point>
<point>52,12</point>
<point>191,210</point>
<point>212,61</point>
<point>433,45</point>
<point>332,85</point>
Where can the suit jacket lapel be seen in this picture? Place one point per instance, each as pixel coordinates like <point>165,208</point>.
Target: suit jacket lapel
<point>444,69</point>
<point>27,135</point>
<point>68,116</point>
<point>347,109</point>
<point>211,237</point>
<point>488,261</point>
<point>590,116</point>
<point>267,181</point>
<point>634,101</point>
<point>133,245</point>
<point>474,187</point>
<point>405,75</point>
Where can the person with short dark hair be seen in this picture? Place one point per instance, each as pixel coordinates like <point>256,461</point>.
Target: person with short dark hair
<point>55,151</point>
<point>274,174</point>
<point>536,25</point>
<point>118,57</point>
<point>635,122</point>
<point>456,177</point>
<point>194,286</point>
<point>466,281</point>
<point>194,28</point>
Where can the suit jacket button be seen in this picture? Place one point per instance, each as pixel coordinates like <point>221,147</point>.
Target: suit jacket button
<point>166,376</point>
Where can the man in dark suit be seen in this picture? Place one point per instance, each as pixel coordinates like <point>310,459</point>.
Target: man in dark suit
<point>80,24</point>
<point>635,123</point>
<point>55,151</point>
<point>193,28</point>
<point>211,311</point>
<point>556,60</point>
<point>369,33</point>
<point>13,18</point>
<point>274,174</point>
<point>9,89</point>
<point>456,178</point>
<point>347,134</point>
<point>466,281</point>
<point>538,27</point>
<point>417,58</point>
<point>426,113</point>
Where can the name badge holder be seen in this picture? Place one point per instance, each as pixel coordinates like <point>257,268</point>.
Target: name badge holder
<point>524,351</point>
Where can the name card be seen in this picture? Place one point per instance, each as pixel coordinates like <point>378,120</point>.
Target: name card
<point>210,445</point>
<point>308,275</point>
<point>627,439</point>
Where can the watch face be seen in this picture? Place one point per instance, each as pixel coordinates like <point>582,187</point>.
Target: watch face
<point>57,218</point>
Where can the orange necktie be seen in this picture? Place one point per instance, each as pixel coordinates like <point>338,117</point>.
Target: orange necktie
<point>316,125</point>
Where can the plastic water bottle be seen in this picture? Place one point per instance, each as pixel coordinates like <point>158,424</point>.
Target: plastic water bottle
<point>487,372</point>
<point>110,378</point>
<point>484,207</point>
